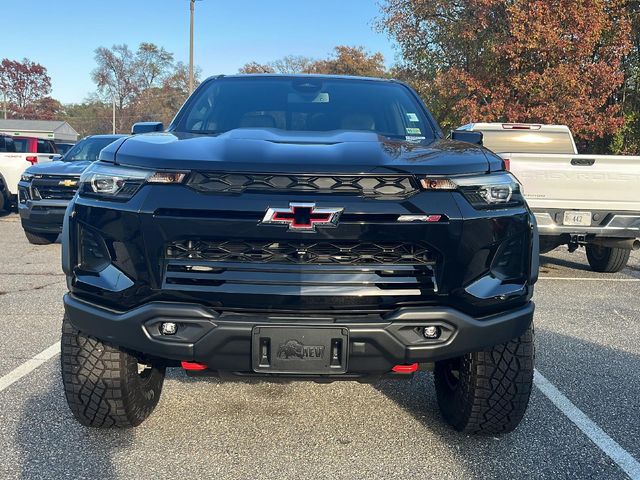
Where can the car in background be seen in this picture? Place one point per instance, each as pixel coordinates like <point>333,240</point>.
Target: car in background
<point>579,200</point>
<point>45,190</point>
<point>16,154</point>
<point>45,149</point>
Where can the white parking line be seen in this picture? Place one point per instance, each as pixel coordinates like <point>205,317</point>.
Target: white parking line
<point>592,279</point>
<point>598,436</point>
<point>29,366</point>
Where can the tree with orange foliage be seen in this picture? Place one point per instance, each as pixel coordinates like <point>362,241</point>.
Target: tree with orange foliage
<point>547,61</point>
<point>345,60</point>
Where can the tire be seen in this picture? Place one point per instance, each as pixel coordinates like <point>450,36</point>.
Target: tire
<point>487,392</point>
<point>41,238</point>
<point>103,384</point>
<point>607,259</point>
<point>5,203</point>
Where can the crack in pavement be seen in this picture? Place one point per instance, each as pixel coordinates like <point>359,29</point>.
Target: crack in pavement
<point>56,274</point>
<point>31,289</point>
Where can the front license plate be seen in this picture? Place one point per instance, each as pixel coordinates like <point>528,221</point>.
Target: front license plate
<point>578,219</point>
<point>300,350</point>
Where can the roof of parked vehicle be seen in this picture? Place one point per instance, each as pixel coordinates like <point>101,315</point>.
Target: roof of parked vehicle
<point>303,75</point>
<point>514,126</point>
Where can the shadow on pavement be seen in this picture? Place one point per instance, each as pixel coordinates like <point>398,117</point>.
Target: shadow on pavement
<point>233,422</point>
<point>548,262</point>
<point>53,445</point>
<point>546,444</point>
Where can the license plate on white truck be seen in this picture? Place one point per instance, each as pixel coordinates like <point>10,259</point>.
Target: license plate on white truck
<point>577,219</point>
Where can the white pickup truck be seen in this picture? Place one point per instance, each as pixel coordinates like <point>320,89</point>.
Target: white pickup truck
<point>578,200</point>
<point>16,155</point>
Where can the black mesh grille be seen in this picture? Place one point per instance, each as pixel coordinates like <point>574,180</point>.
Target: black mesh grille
<point>364,185</point>
<point>318,253</point>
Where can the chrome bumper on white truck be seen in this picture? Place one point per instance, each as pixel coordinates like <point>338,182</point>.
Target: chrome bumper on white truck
<point>608,224</point>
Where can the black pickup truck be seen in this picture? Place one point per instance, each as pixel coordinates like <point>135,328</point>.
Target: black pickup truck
<point>299,227</point>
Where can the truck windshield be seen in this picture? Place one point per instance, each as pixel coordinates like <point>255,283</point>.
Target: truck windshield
<point>528,141</point>
<point>88,149</point>
<point>306,104</point>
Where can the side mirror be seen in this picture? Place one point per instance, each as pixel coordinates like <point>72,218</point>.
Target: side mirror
<point>56,157</point>
<point>467,136</point>
<point>146,127</point>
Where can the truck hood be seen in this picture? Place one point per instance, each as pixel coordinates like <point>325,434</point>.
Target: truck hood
<point>272,150</point>
<point>59,168</point>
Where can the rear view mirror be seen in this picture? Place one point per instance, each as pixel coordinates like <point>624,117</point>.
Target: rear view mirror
<point>146,127</point>
<point>467,136</point>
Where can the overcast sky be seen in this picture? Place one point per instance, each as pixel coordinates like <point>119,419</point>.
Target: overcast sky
<point>62,35</point>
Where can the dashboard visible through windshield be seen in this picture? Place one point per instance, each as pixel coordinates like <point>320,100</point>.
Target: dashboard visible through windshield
<point>306,104</point>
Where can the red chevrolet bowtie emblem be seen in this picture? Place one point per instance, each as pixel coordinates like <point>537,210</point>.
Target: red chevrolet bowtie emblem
<point>304,217</point>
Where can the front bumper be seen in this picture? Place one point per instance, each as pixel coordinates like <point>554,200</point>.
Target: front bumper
<point>223,341</point>
<point>42,216</point>
<point>604,224</point>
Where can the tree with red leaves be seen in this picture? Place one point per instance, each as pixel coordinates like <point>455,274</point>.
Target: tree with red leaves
<point>25,84</point>
<point>547,61</point>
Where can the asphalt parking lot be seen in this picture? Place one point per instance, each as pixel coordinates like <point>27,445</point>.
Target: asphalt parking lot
<point>587,327</point>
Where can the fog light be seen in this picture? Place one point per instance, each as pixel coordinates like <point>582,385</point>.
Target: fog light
<point>431,332</point>
<point>168,328</point>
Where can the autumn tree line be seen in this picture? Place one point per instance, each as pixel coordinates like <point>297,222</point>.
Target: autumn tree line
<point>144,84</point>
<point>574,62</point>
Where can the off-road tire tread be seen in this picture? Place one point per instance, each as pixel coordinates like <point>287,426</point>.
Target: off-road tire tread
<point>494,388</point>
<point>607,259</point>
<point>40,238</point>
<point>101,382</point>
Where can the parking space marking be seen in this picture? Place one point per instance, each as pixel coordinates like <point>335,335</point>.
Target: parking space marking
<point>598,436</point>
<point>592,279</point>
<point>29,366</point>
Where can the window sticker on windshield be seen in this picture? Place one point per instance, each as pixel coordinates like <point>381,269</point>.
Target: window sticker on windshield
<point>412,138</point>
<point>412,117</point>
<point>413,131</point>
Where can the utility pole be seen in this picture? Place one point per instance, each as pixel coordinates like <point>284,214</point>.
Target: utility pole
<point>4,103</point>
<point>192,5</point>
<point>113,118</point>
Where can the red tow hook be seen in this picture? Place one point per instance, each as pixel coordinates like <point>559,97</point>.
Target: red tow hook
<point>193,366</point>
<point>412,367</point>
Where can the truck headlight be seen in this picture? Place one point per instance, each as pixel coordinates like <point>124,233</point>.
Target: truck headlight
<point>497,190</point>
<point>26,177</point>
<point>121,183</point>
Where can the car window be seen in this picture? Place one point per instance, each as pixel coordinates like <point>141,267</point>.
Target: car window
<point>45,146</point>
<point>3,146</point>
<point>87,149</point>
<point>63,148</point>
<point>21,145</point>
<point>307,104</point>
<point>523,141</point>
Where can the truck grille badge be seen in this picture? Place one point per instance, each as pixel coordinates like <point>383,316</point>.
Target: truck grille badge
<point>303,217</point>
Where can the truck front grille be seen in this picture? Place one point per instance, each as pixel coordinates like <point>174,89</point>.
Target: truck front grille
<point>362,185</point>
<point>54,187</point>
<point>308,269</point>
<point>298,252</point>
